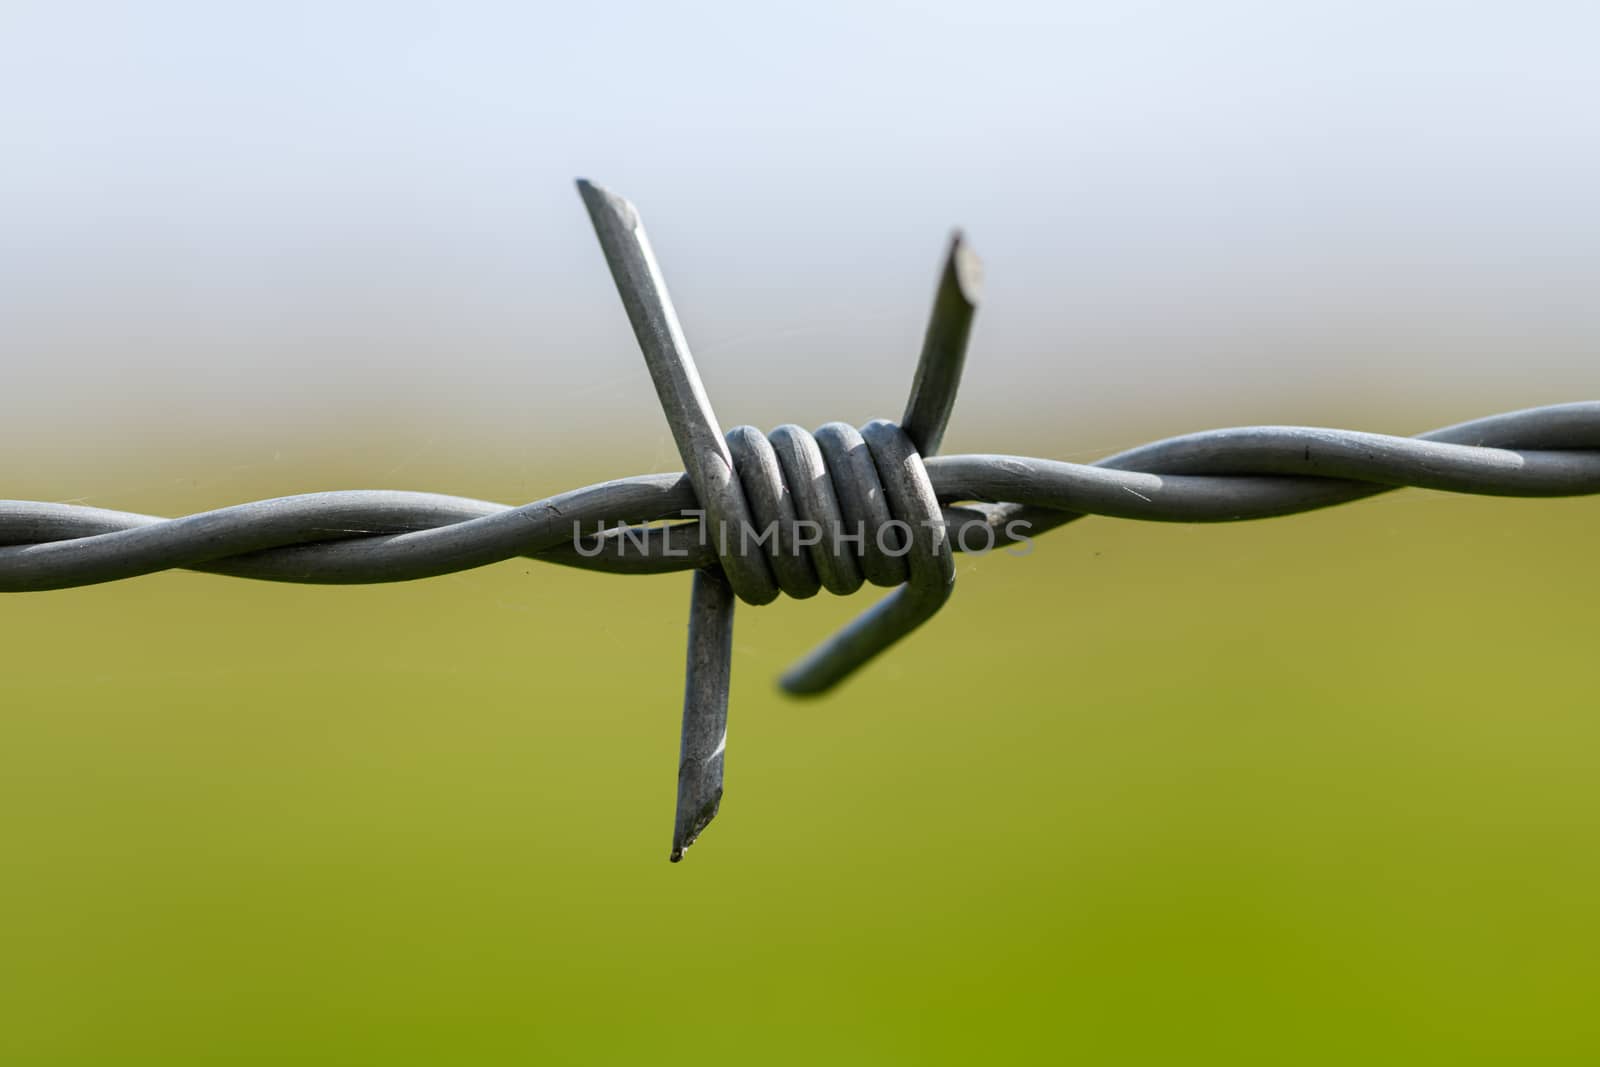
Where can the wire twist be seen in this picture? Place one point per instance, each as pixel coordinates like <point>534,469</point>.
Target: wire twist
<point>356,537</point>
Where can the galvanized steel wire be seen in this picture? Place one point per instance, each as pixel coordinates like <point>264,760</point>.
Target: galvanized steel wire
<point>364,536</point>
<point>866,480</point>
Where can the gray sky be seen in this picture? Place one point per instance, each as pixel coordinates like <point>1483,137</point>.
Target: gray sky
<point>217,218</point>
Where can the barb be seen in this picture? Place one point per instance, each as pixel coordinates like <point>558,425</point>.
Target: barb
<point>745,512</point>
<point>709,466</point>
<point>897,453</point>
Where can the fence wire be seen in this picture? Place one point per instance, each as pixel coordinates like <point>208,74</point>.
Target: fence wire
<point>771,490</point>
<point>365,536</point>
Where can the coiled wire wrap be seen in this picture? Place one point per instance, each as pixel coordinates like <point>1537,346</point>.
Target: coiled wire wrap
<point>839,508</point>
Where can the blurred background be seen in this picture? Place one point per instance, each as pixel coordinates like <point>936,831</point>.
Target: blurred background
<point>1317,789</point>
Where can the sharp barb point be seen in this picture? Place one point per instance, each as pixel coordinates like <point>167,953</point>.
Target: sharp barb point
<point>967,269</point>
<point>598,199</point>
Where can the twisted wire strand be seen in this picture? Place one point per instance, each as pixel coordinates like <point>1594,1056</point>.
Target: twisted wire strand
<point>365,536</point>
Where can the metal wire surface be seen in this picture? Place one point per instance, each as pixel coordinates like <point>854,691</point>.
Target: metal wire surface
<point>863,482</point>
<point>364,536</point>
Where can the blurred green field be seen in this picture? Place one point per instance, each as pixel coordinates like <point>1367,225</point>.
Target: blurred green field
<point>1314,790</point>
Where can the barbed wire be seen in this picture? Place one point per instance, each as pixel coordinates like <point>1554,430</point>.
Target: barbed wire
<point>794,512</point>
<point>358,537</point>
